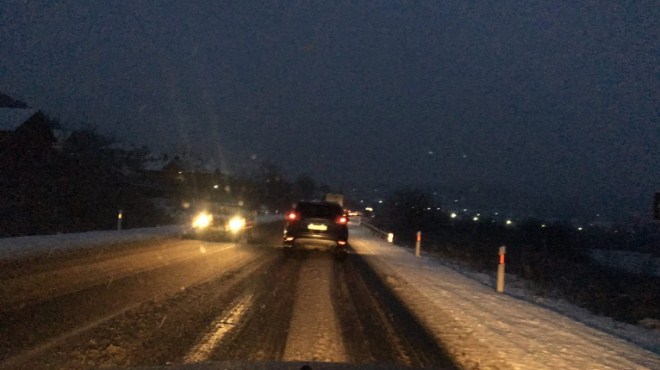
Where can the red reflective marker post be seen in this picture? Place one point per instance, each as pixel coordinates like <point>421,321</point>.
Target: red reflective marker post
<point>418,244</point>
<point>500,270</point>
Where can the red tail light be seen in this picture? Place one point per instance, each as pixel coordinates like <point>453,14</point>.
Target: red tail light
<point>291,216</point>
<point>342,220</point>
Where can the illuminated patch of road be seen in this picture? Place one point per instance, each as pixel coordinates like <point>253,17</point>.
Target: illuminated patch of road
<point>219,328</point>
<point>38,287</point>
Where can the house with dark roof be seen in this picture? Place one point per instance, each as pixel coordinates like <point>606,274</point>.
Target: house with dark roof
<point>14,119</point>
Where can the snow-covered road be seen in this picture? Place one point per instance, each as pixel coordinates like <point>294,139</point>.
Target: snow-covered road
<point>484,329</point>
<point>179,301</point>
<point>479,327</point>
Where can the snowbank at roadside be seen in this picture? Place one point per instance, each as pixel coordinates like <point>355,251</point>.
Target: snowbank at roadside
<point>484,329</point>
<point>24,246</point>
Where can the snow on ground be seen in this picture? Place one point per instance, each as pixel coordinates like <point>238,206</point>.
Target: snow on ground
<point>485,329</point>
<point>25,246</point>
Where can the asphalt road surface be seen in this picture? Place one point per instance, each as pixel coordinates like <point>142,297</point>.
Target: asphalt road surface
<point>176,302</point>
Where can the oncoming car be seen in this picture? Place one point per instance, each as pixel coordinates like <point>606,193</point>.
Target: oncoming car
<point>316,224</point>
<point>222,221</point>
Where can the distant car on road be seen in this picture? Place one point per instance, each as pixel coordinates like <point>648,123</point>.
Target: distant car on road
<point>221,220</point>
<point>316,224</point>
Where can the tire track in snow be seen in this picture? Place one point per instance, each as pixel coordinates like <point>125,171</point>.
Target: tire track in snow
<point>314,331</point>
<point>220,327</point>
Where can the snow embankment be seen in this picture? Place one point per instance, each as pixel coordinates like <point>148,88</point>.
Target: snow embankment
<point>487,330</point>
<point>25,246</point>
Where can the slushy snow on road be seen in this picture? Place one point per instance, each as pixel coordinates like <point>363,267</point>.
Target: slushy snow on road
<point>479,327</point>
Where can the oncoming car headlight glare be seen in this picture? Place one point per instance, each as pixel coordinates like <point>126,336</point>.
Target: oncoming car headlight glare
<point>202,220</point>
<point>236,224</point>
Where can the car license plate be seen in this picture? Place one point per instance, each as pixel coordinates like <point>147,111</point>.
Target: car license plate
<point>317,227</point>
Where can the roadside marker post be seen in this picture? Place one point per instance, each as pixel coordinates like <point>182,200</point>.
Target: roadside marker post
<point>390,237</point>
<point>500,270</point>
<point>418,244</point>
<point>120,215</point>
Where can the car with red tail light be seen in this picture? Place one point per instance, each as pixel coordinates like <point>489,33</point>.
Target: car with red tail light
<point>316,225</point>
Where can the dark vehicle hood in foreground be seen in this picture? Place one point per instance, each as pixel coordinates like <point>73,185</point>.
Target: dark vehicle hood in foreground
<point>273,365</point>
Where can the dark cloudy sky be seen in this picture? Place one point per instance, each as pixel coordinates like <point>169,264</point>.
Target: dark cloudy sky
<point>553,98</point>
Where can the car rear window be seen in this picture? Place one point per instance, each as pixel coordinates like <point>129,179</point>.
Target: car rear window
<point>310,210</point>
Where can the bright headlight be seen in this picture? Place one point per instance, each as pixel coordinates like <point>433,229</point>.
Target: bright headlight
<point>236,224</point>
<point>202,220</point>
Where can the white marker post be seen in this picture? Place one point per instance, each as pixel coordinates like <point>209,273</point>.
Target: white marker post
<point>500,270</point>
<point>390,238</point>
<point>120,215</point>
<point>418,244</point>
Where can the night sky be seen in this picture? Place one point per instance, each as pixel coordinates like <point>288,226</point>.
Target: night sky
<point>552,100</point>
